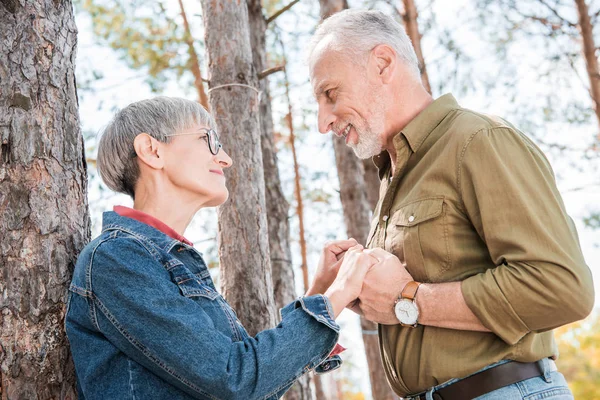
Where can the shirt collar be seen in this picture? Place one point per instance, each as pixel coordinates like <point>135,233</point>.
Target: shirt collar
<point>419,128</point>
<point>152,221</point>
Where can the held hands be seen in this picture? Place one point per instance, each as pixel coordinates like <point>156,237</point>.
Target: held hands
<point>348,283</point>
<point>381,288</point>
<point>368,282</point>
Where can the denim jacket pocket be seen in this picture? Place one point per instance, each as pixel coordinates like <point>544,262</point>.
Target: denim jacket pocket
<point>192,286</point>
<point>420,235</point>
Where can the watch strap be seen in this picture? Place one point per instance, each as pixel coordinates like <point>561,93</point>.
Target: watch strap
<point>410,290</point>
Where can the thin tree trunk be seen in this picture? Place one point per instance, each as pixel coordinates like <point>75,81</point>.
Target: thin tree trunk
<point>297,178</point>
<point>194,63</point>
<point>276,205</point>
<point>589,52</point>
<point>412,29</point>
<point>353,194</point>
<point>246,278</point>
<point>44,220</point>
<point>306,392</point>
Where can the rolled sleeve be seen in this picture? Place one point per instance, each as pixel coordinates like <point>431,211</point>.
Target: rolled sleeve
<point>537,278</point>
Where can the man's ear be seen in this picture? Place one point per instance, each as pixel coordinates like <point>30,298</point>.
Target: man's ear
<point>384,59</point>
<point>148,150</point>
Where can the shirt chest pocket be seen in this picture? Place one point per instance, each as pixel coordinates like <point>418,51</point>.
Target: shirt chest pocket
<point>223,316</point>
<point>418,235</point>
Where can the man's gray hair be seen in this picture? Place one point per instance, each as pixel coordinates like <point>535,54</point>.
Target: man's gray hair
<point>357,32</point>
<point>158,117</point>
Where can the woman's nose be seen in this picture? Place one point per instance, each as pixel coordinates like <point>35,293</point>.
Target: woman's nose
<point>223,159</point>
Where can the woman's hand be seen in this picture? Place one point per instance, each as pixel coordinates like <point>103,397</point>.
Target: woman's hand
<point>329,264</point>
<point>349,281</point>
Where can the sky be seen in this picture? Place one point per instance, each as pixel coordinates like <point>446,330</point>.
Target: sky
<point>121,86</point>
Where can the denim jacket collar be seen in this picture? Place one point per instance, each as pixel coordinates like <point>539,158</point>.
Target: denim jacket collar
<point>113,221</point>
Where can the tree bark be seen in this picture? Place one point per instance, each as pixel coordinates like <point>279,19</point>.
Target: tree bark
<point>353,194</point>
<point>589,52</point>
<point>44,220</point>
<point>412,29</point>
<point>276,204</point>
<point>246,279</point>
<point>194,63</point>
<point>372,183</point>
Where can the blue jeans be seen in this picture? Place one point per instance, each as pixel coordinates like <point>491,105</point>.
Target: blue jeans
<point>550,386</point>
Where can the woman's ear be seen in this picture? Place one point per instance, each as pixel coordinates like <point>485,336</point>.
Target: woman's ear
<point>148,150</point>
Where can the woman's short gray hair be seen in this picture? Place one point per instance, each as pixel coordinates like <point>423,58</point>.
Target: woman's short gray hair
<point>357,32</point>
<point>159,117</point>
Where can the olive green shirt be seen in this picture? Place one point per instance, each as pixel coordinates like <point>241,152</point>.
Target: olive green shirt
<point>472,199</point>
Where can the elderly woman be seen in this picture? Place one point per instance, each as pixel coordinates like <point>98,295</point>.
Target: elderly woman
<point>144,318</point>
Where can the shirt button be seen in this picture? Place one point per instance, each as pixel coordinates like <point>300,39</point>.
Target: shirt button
<point>385,218</point>
<point>411,218</point>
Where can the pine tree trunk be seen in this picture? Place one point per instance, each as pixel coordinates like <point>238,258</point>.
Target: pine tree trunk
<point>246,279</point>
<point>412,29</point>
<point>44,220</point>
<point>589,52</point>
<point>353,194</point>
<point>276,205</point>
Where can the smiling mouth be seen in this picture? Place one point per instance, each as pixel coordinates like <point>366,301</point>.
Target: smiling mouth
<point>345,132</point>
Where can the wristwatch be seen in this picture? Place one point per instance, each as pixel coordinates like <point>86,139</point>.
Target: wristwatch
<point>406,307</point>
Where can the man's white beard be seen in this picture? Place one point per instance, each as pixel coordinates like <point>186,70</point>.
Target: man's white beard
<point>368,145</point>
<point>369,140</point>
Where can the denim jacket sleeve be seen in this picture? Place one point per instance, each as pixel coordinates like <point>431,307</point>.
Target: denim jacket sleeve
<point>141,311</point>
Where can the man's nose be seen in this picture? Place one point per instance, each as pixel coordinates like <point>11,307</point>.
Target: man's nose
<point>326,119</point>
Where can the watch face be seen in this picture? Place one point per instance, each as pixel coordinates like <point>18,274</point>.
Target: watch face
<point>406,312</point>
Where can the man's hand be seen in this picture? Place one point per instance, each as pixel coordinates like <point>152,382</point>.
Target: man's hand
<point>329,265</point>
<point>382,286</point>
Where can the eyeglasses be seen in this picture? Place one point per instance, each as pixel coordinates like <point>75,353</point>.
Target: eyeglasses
<point>214,144</point>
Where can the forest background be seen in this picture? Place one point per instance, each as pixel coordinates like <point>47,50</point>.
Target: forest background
<point>526,61</point>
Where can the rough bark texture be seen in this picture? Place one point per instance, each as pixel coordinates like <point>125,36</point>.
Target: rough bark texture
<point>277,205</point>
<point>44,221</point>
<point>589,52</point>
<point>194,63</point>
<point>353,194</point>
<point>243,234</point>
<point>412,29</point>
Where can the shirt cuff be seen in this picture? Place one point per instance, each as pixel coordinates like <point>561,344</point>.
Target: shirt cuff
<point>317,306</point>
<point>330,364</point>
<point>487,301</point>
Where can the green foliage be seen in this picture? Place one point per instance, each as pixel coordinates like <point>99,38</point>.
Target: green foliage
<point>592,221</point>
<point>145,35</point>
<point>579,361</point>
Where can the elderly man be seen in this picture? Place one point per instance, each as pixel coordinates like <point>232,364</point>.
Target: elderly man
<point>484,260</point>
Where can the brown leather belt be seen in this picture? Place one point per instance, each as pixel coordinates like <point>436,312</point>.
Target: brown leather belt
<point>487,381</point>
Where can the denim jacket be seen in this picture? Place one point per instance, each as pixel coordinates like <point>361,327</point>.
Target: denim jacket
<point>145,321</point>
